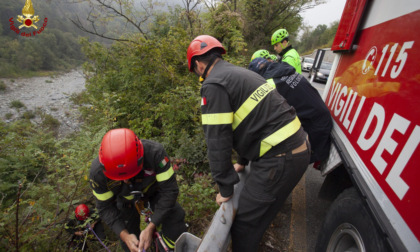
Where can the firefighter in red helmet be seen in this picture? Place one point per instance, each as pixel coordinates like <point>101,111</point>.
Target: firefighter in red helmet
<point>78,227</point>
<point>81,212</point>
<point>241,111</point>
<point>127,164</point>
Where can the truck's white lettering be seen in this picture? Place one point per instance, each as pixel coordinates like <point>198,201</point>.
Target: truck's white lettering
<point>356,115</point>
<point>330,98</point>
<point>340,102</point>
<point>335,94</point>
<point>387,143</point>
<point>394,177</point>
<point>399,61</point>
<point>345,106</point>
<point>391,56</point>
<point>346,122</point>
<point>377,112</point>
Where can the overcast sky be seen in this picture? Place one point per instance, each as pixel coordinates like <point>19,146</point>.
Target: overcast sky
<point>324,13</point>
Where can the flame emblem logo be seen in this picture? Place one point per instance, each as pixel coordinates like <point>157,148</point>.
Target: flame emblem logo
<point>28,11</point>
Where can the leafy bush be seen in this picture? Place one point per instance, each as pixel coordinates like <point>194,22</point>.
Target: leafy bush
<point>50,123</point>
<point>147,88</point>
<point>53,174</point>
<point>198,201</point>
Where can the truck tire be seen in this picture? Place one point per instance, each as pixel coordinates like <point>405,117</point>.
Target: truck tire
<point>348,227</point>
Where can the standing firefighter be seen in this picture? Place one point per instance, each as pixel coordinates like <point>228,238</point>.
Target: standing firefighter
<point>299,93</point>
<point>240,110</point>
<point>280,41</point>
<point>125,165</point>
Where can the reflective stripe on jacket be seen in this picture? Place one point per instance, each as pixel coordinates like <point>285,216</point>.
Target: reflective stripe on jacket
<point>241,111</point>
<point>157,177</point>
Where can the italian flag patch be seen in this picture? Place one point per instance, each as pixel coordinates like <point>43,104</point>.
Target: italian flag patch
<point>203,101</point>
<point>163,162</point>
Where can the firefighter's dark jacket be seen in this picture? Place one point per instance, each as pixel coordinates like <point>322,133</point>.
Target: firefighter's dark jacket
<point>310,108</point>
<point>241,111</point>
<point>157,179</point>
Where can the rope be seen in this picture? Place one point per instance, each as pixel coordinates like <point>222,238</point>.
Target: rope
<point>84,243</point>
<point>91,229</point>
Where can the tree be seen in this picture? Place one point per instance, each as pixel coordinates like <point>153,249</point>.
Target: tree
<point>263,17</point>
<point>104,12</point>
<point>321,37</point>
<point>227,27</point>
<point>191,13</point>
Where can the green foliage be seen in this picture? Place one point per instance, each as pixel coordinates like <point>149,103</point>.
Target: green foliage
<point>144,86</point>
<point>264,17</point>
<point>50,123</point>
<point>53,174</point>
<point>8,116</point>
<point>198,201</point>
<point>28,115</point>
<point>227,26</point>
<point>3,86</point>
<point>321,37</point>
<point>17,104</point>
<point>147,88</point>
<point>54,49</point>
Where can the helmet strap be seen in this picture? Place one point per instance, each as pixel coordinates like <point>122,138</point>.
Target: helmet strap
<point>211,61</point>
<point>281,44</point>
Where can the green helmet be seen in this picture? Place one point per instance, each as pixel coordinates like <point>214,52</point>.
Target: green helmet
<point>260,54</point>
<point>272,57</point>
<point>278,36</point>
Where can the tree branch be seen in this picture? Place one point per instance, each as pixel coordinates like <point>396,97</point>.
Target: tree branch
<point>79,25</point>
<point>103,9</point>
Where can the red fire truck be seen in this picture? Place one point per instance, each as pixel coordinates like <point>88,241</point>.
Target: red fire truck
<point>373,94</point>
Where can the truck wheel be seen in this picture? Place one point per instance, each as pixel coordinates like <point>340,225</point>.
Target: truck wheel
<point>349,227</point>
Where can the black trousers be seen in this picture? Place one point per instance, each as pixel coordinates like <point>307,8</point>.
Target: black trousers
<point>267,186</point>
<point>172,226</point>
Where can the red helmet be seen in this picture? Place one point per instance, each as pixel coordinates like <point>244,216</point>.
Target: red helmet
<point>200,45</point>
<point>121,154</point>
<point>81,212</point>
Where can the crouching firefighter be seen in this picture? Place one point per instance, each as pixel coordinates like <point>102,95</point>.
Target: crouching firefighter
<point>126,165</point>
<point>79,227</point>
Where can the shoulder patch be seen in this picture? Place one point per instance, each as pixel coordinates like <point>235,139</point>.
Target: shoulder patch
<point>163,162</point>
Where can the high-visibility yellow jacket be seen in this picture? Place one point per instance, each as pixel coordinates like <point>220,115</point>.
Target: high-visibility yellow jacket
<point>291,56</point>
<point>156,177</point>
<point>240,110</point>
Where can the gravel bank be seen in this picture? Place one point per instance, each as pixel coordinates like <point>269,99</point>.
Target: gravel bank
<point>49,95</point>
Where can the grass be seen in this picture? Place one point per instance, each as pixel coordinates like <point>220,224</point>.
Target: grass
<point>2,86</point>
<point>9,116</point>
<point>28,115</point>
<point>50,122</point>
<point>17,104</point>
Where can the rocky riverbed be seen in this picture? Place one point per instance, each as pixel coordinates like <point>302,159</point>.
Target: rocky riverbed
<point>43,96</point>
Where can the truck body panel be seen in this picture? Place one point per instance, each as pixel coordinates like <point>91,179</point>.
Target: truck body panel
<point>373,94</point>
